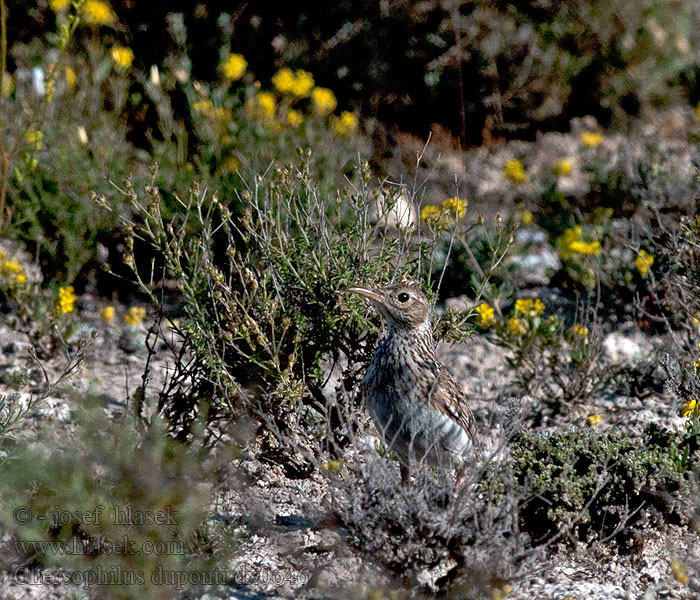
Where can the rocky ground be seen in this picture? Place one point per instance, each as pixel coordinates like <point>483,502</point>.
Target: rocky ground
<point>289,546</point>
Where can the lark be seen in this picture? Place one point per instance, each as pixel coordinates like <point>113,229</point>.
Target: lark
<point>417,406</point>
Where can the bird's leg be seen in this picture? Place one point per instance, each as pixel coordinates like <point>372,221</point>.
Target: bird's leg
<point>405,473</point>
<point>460,472</point>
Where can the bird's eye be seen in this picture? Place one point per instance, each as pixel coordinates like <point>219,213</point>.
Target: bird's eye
<point>402,297</point>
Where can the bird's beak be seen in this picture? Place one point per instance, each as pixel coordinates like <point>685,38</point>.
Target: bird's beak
<point>373,295</point>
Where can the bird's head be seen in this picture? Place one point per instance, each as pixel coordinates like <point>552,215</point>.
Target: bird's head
<point>402,305</point>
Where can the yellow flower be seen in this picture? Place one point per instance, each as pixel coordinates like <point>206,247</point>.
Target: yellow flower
<point>515,326</point>
<point>486,315</point>
<point>107,313</point>
<point>593,420</point>
<point>430,214</point>
<point>643,262</point>
<point>283,80</point>
<point>345,124</point>
<point>262,105</point>
<point>333,465</point>
<point>97,12</point>
<point>455,206</point>
<point>680,572</point>
<point>135,315</point>
<point>515,171</point>
<point>202,106</point>
<point>323,101</point>
<point>581,247</point>
<point>21,278</point>
<point>123,57</point>
<point>562,167</point>
<point>294,118</point>
<point>303,83</point>
<point>234,67</point>
<point>231,164</point>
<point>581,330</point>
<point>12,266</point>
<point>213,112</point>
<point>526,217</point>
<point>71,77</point>
<point>35,137</point>
<point>591,139</point>
<point>65,302</point>
<point>58,5</point>
<point>298,84</point>
<point>529,306</point>
<point>689,407</point>
<point>570,243</point>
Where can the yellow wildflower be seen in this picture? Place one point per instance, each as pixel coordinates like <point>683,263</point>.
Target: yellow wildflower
<point>12,266</point>
<point>515,326</point>
<point>283,80</point>
<point>294,118</point>
<point>680,572</point>
<point>122,57</point>
<point>202,106</point>
<point>333,465</point>
<point>571,242</point>
<point>515,171</point>
<point>35,137</point>
<point>689,407</point>
<point>581,247</point>
<point>526,217</point>
<point>562,167</point>
<point>455,206</point>
<point>213,112</point>
<point>261,106</point>
<point>231,164</point>
<point>58,5</point>
<point>522,305</point>
<point>298,84</point>
<point>21,278</point>
<point>430,214</point>
<point>486,315</point>
<point>323,101</point>
<point>97,12</point>
<point>529,306</point>
<point>107,313</point>
<point>345,124</point>
<point>591,139</point>
<point>303,83</point>
<point>593,420</point>
<point>65,302</point>
<point>581,330</point>
<point>234,67</point>
<point>643,262</point>
<point>135,315</point>
<point>71,77</point>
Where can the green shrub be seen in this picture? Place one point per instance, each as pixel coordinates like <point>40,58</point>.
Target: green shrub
<point>587,486</point>
<point>118,501</point>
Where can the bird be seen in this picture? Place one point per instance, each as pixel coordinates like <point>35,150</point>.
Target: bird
<point>416,405</point>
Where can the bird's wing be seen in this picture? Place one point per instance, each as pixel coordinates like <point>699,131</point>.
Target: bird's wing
<point>450,400</point>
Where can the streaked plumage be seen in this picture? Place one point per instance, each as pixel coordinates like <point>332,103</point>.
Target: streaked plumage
<point>415,403</point>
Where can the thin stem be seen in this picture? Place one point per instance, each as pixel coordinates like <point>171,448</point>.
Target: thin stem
<point>4,169</point>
